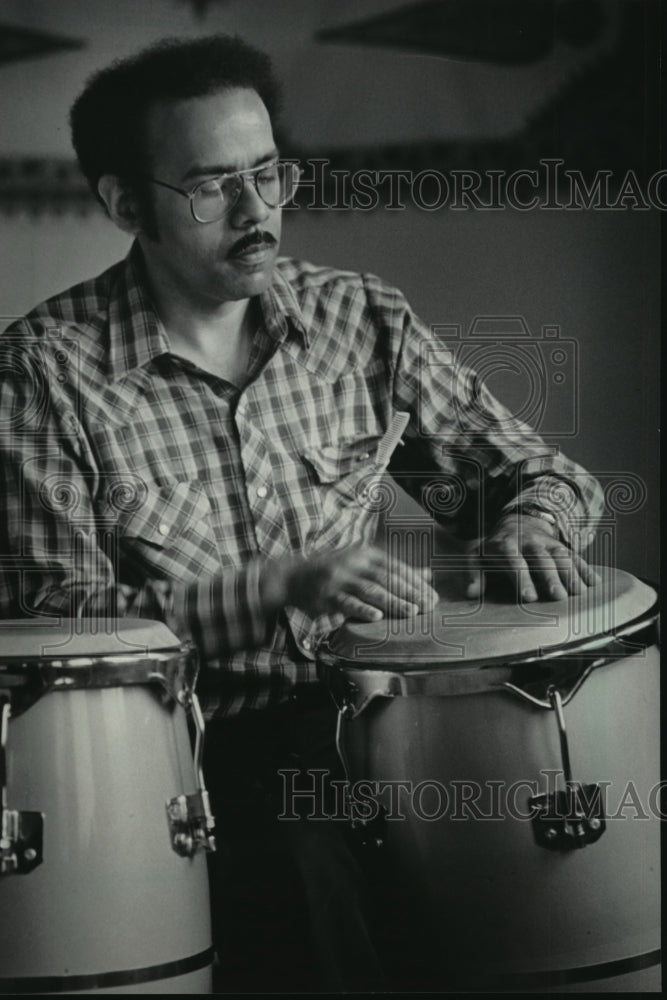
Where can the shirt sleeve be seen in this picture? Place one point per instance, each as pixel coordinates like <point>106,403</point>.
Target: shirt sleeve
<point>56,556</point>
<point>467,458</point>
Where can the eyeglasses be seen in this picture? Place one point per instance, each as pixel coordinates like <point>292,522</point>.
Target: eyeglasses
<point>275,184</point>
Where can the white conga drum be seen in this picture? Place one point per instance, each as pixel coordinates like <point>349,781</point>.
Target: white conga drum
<point>103,884</point>
<point>505,761</point>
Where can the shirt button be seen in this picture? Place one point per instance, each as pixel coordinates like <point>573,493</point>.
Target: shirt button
<point>307,644</point>
<point>163,529</point>
<point>262,491</point>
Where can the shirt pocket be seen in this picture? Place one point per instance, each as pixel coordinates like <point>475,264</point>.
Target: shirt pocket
<point>167,531</point>
<point>344,468</point>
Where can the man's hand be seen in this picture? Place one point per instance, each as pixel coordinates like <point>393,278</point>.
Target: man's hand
<point>359,582</point>
<point>525,550</point>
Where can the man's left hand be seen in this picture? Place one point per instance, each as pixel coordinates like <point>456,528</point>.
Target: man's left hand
<point>526,552</point>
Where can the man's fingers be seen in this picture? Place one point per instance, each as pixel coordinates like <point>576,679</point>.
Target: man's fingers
<point>474,578</point>
<point>520,569</point>
<point>404,604</point>
<point>516,567</point>
<point>575,572</point>
<point>586,572</point>
<point>550,571</point>
<point>380,605</point>
<point>538,565</point>
<point>361,583</point>
<point>568,571</point>
<point>474,584</point>
<point>561,572</point>
<point>353,607</point>
<point>401,586</point>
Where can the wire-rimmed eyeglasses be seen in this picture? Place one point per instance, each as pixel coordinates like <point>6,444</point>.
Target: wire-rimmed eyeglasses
<point>274,182</point>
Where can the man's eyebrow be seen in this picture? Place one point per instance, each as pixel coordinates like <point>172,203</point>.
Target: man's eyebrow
<point>215,170</point>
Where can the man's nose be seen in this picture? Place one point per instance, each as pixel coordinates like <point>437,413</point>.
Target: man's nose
<point>249,207</point>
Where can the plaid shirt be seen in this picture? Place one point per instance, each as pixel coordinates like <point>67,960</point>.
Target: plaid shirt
<point>134,483</point>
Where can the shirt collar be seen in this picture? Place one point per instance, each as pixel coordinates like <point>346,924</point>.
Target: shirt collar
<point>281,311</point>
<point>136,333</point>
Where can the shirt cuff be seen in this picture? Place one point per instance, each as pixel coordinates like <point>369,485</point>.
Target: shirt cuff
<point>558,502</point>
<point>221,614</point>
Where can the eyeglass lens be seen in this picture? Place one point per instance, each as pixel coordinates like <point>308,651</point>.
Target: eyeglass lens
<point>275,184</point>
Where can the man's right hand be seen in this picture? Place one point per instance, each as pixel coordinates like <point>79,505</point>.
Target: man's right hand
<point>359,582</point>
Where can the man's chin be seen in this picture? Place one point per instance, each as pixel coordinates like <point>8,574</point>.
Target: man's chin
<point>252,279</point>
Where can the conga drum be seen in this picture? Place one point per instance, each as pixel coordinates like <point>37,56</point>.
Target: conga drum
<point>505,762</point>
<point>103,880</point>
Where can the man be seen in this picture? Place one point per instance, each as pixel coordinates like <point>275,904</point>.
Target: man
<point>188,438</point>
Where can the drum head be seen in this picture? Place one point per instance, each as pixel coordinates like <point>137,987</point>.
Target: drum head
<point>30,639</point>
<point>460,631</point>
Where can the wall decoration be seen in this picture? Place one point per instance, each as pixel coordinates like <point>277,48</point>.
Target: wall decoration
<point>26,43</point>
<point>42,184</point>
<point>457,29</point>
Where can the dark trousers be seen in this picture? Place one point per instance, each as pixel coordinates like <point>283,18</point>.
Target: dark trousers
<point>291,906</point>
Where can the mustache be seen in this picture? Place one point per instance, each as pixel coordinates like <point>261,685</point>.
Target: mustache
<point>253,239</point>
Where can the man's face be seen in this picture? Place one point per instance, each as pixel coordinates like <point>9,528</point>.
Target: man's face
<point>192,140</point>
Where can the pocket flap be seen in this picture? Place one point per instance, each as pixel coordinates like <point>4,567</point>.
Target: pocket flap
<point>333,462</point>
<point>159,515</point>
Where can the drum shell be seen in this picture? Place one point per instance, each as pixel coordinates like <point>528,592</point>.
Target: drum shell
<point>442,705</point>
<point>111,895</point>
<point>488,894</point>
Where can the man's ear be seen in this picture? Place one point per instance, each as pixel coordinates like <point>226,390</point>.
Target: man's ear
<point>120,204</point>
